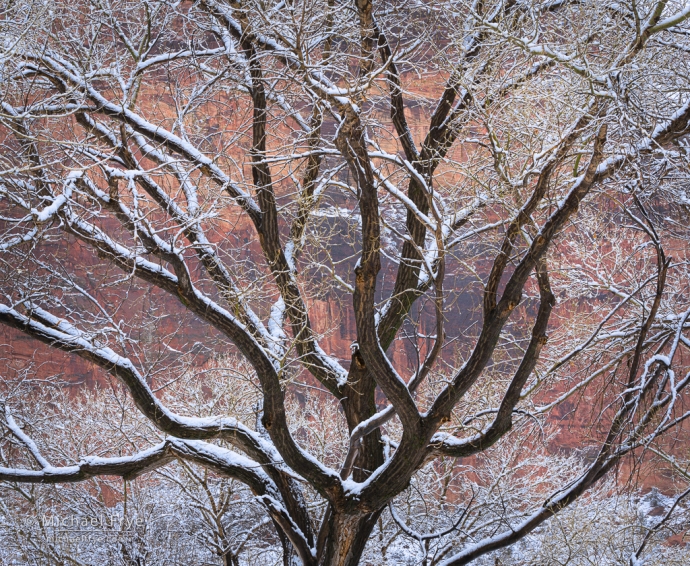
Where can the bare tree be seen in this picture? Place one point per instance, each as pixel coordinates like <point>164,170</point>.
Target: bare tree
<point>445,171</point>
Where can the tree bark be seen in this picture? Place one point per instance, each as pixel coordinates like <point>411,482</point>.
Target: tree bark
<point>347,536</point>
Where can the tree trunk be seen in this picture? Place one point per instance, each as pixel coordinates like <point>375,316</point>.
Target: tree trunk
<point>360,404</point>
<point>347,537</point>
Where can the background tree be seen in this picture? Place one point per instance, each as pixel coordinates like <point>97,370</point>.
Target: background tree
<point>240,162</point>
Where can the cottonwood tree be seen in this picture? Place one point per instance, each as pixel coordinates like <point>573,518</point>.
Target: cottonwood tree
<point>443,171</point>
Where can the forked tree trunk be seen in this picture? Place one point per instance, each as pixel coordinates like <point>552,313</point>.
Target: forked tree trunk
<point>347,537</point>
